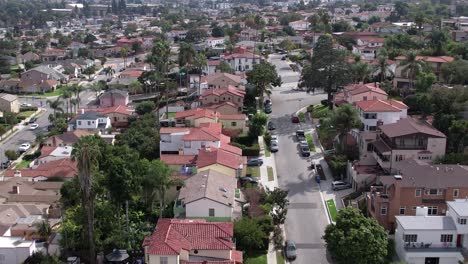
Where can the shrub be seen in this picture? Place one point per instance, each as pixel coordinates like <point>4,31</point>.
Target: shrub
<point>324,102</point>
<point>301,116</point>
<point>278,237</point>
<point>310,108</point>
<point>28,108</point>
<point>267,138</point>
<point>11,154</point>
<point>245,140</point>
<point>337,165</point>
<point>253,150</point>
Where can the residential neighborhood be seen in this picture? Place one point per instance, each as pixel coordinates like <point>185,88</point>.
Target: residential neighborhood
<point>230,132</point>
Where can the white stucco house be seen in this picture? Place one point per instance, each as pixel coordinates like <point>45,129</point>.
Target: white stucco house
<point>299,25</point>
<point>374,112</point>
<point>15,250</point>
<point>241,60</point>
<point>91,120</point>
<point>213,42</point>
<point>423,239</point>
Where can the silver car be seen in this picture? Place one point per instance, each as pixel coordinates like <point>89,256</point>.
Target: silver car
<point>340,185</point>
<point>274,146</point>
<point>290,250</point>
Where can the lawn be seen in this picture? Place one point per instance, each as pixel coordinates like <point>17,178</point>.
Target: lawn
<point>320,111</point>
<point>23,164</point>
<point>271,177</point>
<point>56,92</point>
<point>267,150</point>
<point>256,258</point>
<point>332,209</point>
<point>310,142</point>
<point>253,171</point>
<point>171,115</point>
<point>279,257</point>
<point>301,116</point>
<point>25,114</point>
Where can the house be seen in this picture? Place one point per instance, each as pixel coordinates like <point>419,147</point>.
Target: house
<point>66,139</point>
<point>415,183</point>
<point>459,35</point>
<point>226,160</point>
<point>216,96</point>
<point>114,97</point>
<point>49,154</point>
<point>224,108</point>
<point>53,54</point>
<point>241,60</point>
<point>222,80</point>
<point>234,122</point>
<point>9,103</point>
<point>208,194</point>
<point>60,169</point>
<point>91,121</point>
<point>15,250</point>
<point>402,76</point>
<point>40,79</point>
<point>187,241</point>
<point>300,25</point>
<point>433,239</point>
<point>181,164</point>
<point>20,192</point>
<point>380,112</point>
<point>118,114</point>
<point>212,42</point>
<point>360,92</point>
<point>28,56</point>
<point>195,117</point>
<point>407,138</point>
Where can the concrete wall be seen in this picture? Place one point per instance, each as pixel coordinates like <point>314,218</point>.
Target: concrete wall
<point>221,254</point>
<point>15,255</point>
<point>239,124</point>
<point>386,117</point>
<point>155,259</point>
<point>200,208</point>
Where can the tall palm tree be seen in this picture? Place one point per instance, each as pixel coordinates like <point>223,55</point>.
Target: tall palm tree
<point>412,66</point>
<point>135,87</point>
<point>314,21</point>
<point>159,56</point>
<point>186,54</point>
<point>97,87</point>
<point>199,63</point>
<point>382,67</point>
<point>55,105</point>
<point>361,72</point>
<point>67,95</point>
<point>124,53</point>
<point>44,231</point>
<point>77,89</point>
<point>86,152</point>
<point>109,71</point>
<point>73,104</point>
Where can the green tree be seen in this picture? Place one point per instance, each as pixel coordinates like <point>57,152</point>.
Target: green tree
<point>89,71</point>
<point>382,66</point>
<point>89,38</point>
<point>367,237</point>
<point>458,135</point>
<point>361,72</point>
<point>412,66</point>
<point>264,77</point>
<point>109,71</point>
<point>217,32</point>
<point>437,41</point>
<point>159,56</point>
<point>455,72</point>
<point>195,35</point>
<point>424,81</point>
<point>186,54</point>
<point>11,154</point>
<point>56,105</point>
<point>257,124</point>
<point>250,235</point>
<point>124,51</point>
<point>442,122</point>
<point>224,67</point>
<point>44,231</point>
<point>328,68</point>
<point>67,95</point>
<point>135,87</point>
<point>278,198</point>
<point>87,153</point>
<point>345,118</point>
<point>145,107</point>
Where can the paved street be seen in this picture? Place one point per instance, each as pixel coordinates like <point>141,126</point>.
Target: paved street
<point>306,218</point>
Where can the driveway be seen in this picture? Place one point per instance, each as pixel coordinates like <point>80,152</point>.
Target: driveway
<point>306,220</point>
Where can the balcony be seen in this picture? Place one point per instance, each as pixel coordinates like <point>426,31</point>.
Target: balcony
<point>430,247</point>
<point>382,160</point>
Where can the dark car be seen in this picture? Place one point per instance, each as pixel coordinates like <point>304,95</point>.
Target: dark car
<point>248,180</point>
<point>254,162</point>
<point>300,135</point>
<point>283,58</point>
<point>295,118</point>
<point>32,120</point>
<point>267,109</point>
<point>6,164</point>
<point>290,250</point>
<point>305,151</point>
<point>267,102</point>
<point>271,126</point>
<point>50,127</point>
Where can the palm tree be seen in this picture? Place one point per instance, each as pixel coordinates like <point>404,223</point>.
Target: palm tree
<point>67,95</point>
<point>419,20</point>
<point>382,67</point>
<point>77,89</point>
<point>86,152</point>
<point>314,21</point>
<point>124,53</point>
<point>437,40</point>
<point>73,103</point>
<point>344,119</point>
<point>199,63</point>
<point>186,54</point>
<point>96,87</point>
<point>412,66</point>
<point>361,72</point>
<point>109,71</point>
<point>159,57</point>
<point>135,87</point>
<point>44,231</point>
<point>55,105</point>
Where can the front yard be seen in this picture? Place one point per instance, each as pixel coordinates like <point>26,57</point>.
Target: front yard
<point>23,164</point>
<point>25,114</point>
<point>256,258</point>
<point>253,171</point>
<point>320,111</point>
<point>56,92</point>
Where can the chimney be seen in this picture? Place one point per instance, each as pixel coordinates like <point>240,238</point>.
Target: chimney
<point>15,189</point>
<point>82,110</point>
<point>421,211</point>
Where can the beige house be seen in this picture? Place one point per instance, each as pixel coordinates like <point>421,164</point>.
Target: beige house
<point>66,139</point>
<point>237,122</point>
<point>225,108</point>
<point>195,117</point>
<point>9,103</point>
<point>360,92</point>
<point>221,80</point>
<point>179,241</point>
<point>223,161</point>
<point>28,56</point>
<point>216,96</point>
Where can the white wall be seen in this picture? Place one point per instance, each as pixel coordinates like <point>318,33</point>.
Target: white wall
<point>386,117</point>
<point>171,259</point>
<point>221,254</point>
<point>16,255</point>
<point>195,146</point>
<point>200,208</point>
<point>83,124</point>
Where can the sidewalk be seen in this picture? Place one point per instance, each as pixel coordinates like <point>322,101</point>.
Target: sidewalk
<point>19,127</point>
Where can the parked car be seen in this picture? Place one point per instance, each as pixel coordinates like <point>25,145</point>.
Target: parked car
<point>248,180</point>
<point>271,126</point>
<point>32,120</point>
<point>267,109</point>
<point>303,143</point>
<point>34,126</point>
<point>25,105</point>
<point>6,164</point>
<point>283,58</point>
<point>295,118</point>
<point>24,147</point>
<point>300,135</point>
<point>274,146</point>
<point>305,151</point>
<point>267,102</point>
<point>254,162</point>
<point>290,250</point>
<point>340,185</point>
<point>50,127</point>
<point>274,138</point>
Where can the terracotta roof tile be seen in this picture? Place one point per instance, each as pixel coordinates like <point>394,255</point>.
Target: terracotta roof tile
<point>219,92</point>
<point>233,117</point>
<point>197,113</point>
<point>63,168</point>
<point>409,126</point>
<point>212,156</point>
<point>178,159</point>
<point>381,105</point>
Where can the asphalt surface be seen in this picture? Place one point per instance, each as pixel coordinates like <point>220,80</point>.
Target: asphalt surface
<point>306,219</point>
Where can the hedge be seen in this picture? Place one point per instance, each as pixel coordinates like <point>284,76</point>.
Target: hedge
<point>254,150</point>
<point>28,108</point>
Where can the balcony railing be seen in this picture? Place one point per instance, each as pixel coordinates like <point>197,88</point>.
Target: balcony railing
<point>431,247</point>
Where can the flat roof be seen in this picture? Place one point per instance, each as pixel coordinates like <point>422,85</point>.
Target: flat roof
<point>14,242</point>
<point>426,222</point>
<point>460,206</point>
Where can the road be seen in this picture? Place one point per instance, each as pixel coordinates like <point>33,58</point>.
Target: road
<point>25,135</point>
<point>306,219</point>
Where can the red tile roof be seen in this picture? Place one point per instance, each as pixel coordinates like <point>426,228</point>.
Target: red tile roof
<point>233,117</point>
<point>230,90</point>
<point>212,156</point>
<point>197,113</point>
<point>171,236</point>
<point>410,126</point>
<point>178,159</point>
<point>381,105</point>
<point>438,59</point>
<point>46,150</point>
<point>363,88</point>
<point>131,73</point>
<point>231,148</point>
<point>206,131</point>
<point>63,168</point>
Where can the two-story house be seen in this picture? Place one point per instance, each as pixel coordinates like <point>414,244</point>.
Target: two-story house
<point>40,79</point>
<point>214,42</point>
<point>374,112</point>
<point>241,60</point>
<point>179,241</point>
<point>9,103</point>
<point>118,114</point>
<point>368,46</point>
<point>360,92</point>
<point>195,117</point>
<point>91,121</point>
<point>402,75</point>
<point>407,138</point>
<point>433,239</point>
<point>222,80</point>
<point>227,160</point>
<point>216,96</point>
<point>299,25</point>
<point>53,54</point>
<point>415,183</point>
<point>208,194</point>
<point>114,97</point>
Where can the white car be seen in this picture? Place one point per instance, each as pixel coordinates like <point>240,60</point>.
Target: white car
<point>34,126</point>
<point>26,104</point>
<point>274,138</point>
<point>24,147</point>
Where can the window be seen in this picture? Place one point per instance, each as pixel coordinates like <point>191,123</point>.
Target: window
<point>79,123</point>
<point>89,123</point>
<point>402,141</point>
<point>370,147</point>
<point>461,221</point>
<point>417,193</point>
<point>446,238</point>
<point>372,128</point>
<point>370,115</point>
<point>233,124</point>
<point>432,210</point>
<point>411,238</point>
<point>414,208</point>
<point>211,212</point>
<point>163,260</point>
<point>364,98</point>
<point>383,210</point>
<point>402,210</point>
<point>432,191</point>
<point>455,192</point>
<point>420,141</point>
<point>187,144</point>
<point>399,157</point>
